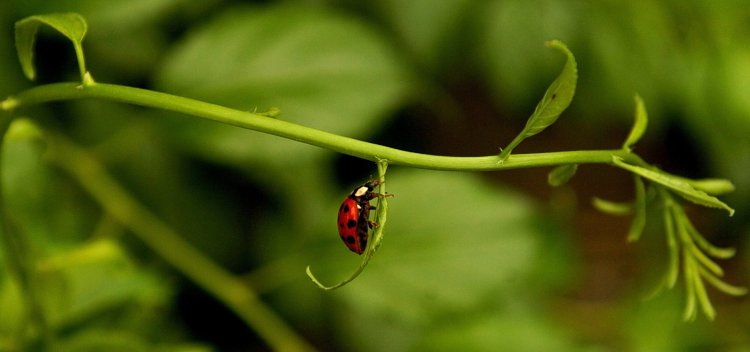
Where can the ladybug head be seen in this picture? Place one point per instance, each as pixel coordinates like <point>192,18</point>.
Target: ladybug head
<point>365,188</point>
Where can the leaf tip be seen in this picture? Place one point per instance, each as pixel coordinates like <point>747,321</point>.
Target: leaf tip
<point>8,104</point>
<point>555,43</point>
<point>639,125</point>
<point>315,280</point>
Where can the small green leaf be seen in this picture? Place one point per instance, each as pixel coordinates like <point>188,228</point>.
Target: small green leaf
<point>558,96</point>
<point>611,208</point>
<point>721,285</point>
<point>377,237</point>
<point>561,174</point>
<point>690,313</point>
<point>555,101</point>
<point>676,184</point>
<point>716,252</point>
<point>639,221</point>
<point>705,261</point>
<point>639,126</point>
<point>715,186</point>
<point>71,25</point>
<point>673,268</point>
<point>700,291</point>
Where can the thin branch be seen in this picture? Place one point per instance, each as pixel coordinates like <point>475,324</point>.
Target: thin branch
<point>259,122</point>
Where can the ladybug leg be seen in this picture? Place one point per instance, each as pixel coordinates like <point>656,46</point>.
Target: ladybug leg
<point>373,195</point>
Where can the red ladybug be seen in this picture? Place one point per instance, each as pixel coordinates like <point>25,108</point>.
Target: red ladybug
<point>354,216</point>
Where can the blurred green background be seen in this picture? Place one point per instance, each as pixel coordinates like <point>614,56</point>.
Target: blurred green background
<point>493,261</point>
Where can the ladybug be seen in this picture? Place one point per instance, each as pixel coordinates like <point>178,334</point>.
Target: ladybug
<point>354,216</point>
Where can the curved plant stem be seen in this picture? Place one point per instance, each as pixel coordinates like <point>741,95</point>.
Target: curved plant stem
<point>163,240</point>
<point>337,143</point>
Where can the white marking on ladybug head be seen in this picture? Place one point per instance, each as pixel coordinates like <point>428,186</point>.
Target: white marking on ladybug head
<point>359,206</point>
<point>361,191</point>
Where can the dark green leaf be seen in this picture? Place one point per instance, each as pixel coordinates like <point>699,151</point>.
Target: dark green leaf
<point>428,30</point>
<point>321,69</point>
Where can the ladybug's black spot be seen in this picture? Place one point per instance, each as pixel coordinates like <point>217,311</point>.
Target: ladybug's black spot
<point>350,239</point>
<point>345,208</point>
<point>351,223</point>
<point>341,225</point>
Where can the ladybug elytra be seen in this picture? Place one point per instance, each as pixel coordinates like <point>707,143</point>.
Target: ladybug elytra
<point>354,216</point>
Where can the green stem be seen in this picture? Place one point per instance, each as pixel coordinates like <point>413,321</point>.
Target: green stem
<point>337,143</point>
<point>505,153</point>
<point>172,248</point>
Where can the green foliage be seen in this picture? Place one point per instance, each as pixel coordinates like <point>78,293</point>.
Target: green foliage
<point>71,25</point>
<point>556,99</point>
<point>377,236</point>
<point>695,251</point>
<point>639,126</point>
<point>492,251</point>
<point>466,265</point>
<point>639,221</point>
<point>325,71</point>
<point>679,186</point>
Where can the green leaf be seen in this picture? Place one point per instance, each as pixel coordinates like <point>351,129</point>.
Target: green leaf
<point>715,186</point>
<point>639,126</point>
<point>700,289</point>
<point>71,25</point>
<point>558,96</point>
<point>322,69</point>
<point>429,31</point>
<point>452,260</point>
<point>639,221</point>
<point>716,252</point>
<point>561,174</point>
<point>527,332</point>
<point>375,241</point>
<point>94,277</point>
<point>506,35</point>
<point>721,285</point>
<point>690,278</point>
<point>676,184</point>
<point>610,207</point>
<point>673,267</point>
<point>23,129</point>
<point>556,99</point>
